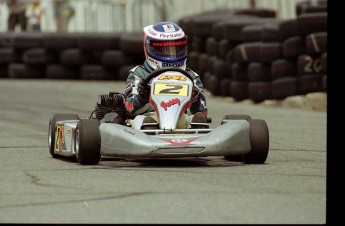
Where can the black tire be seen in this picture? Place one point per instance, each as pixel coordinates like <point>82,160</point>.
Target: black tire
<point>60,40</point>
<point>88,142</point>
<point>223,48</point>
<point>27,40</point>
<point>212,46</point>
<point>271,51</point>
<point>316,43</point>
<point>259,142</point>
<point>252,33</point>
<point>289,28</point>
<point>270,32</point>
<point>51,130</point>
<point>98,41</point>
<point>259,91</point>
<point>96,72</point>
<point>131,44</point>
<point>3,71</point>
<point>9,55</point>
<point>225,87</point>
<point>283,68</point>
<point>239,71</point>
<point>312,22</point>
<point>294,46</point>
<point>58,71</point>
<point>284,87</point>
<point>235,158</point>
<point>324,63</point>
<point>39,56</point>
<point>248,52</point>
<point>202,63</point>
<point>193,61</point>
<point>74,57</point>
<point>259,72</point>
<point>219,69</point>
<point>214,85</point>
<point>310,83</point>
<point>23,71</point>
<point>239,90</point>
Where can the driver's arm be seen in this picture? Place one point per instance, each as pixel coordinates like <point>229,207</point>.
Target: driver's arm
<point>199,105</point>
<point>133,105</point>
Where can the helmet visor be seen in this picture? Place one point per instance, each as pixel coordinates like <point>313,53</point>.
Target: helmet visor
<point>167,49</point>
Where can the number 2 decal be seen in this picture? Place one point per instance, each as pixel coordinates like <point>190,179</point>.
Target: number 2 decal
<point>174,90</point>
<point>171,89</point>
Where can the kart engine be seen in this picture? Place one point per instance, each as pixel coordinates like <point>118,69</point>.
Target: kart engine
<point>112,102</point>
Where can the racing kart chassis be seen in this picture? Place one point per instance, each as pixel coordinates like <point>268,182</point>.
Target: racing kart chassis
<point>238,138</point>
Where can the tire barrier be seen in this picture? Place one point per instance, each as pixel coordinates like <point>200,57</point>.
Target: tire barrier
<point>242,53</point>
<point>88,56</point>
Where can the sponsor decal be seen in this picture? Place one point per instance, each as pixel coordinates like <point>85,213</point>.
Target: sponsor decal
<point>169,103</point>
<point>129,85</point>
<point>59,138</point>
<point>179,141</point>
<point>179,136</point>
<point>129,131</point>
<point>151,32</point>
<point>167,36</point>
<point>176,64</point>
<point>167,44</point>
<point>129,106</point>
<point>169,28</point>
<point>172,77</point>
<point>153,61</point>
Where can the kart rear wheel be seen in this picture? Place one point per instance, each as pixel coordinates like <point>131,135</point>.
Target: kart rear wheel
<point>259,142</point>
<point>88,142</point>
<point>51,131</point>
<point>235,117</point>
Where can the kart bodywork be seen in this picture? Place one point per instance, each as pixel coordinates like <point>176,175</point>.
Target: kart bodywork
<point>238,138</point>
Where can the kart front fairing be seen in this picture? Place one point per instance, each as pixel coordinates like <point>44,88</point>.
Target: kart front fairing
<point>171,94</point>
<point>122,141</point>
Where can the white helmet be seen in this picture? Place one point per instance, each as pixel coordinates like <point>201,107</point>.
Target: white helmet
<point>165,45</point>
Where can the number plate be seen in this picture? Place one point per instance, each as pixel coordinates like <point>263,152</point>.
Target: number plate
<point>171,89</point>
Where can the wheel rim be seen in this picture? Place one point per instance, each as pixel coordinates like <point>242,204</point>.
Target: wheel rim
<point>50,136</point>
<point>77,142</point>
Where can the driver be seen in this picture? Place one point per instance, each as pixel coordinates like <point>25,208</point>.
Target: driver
<point>165,45</point>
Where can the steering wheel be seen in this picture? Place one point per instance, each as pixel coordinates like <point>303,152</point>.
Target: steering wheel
<point>164,69</point>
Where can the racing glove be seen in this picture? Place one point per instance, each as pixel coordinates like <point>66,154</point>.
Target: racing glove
<point>144,92</point>
<point>195,94</point>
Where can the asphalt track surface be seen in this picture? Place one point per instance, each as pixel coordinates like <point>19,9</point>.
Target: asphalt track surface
<point>290,188</point>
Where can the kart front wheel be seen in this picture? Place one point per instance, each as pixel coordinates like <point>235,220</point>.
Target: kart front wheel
<point>259,142</point>
<point>51,131</point>
<point>88,142</point>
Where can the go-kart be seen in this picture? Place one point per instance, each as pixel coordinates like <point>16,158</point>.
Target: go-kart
<point>238,137</point>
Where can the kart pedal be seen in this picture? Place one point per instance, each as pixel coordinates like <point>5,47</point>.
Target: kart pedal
<point>149,123</point>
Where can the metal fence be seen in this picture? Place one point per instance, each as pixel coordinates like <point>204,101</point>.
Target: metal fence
<point>133,15</point>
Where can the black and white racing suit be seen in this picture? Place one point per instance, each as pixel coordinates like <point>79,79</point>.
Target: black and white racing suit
<point>136,105</point>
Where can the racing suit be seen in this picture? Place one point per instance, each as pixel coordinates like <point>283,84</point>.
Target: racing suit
<point>136,106</point>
